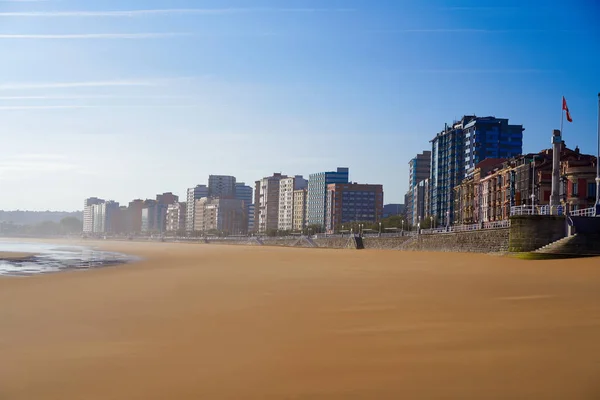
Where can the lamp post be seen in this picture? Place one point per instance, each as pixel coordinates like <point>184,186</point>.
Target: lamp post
<point>380,229</point>
<point>533,184</point>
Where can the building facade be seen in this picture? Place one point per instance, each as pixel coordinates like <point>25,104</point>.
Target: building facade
<point>316,212</point>
<point>222,186</point>
<point>490,137</point>
<point>149,217</point>
<point>458,148</point>
<point>176,217</point>
<point>299,209</point>
<point>266,203</point>
<point>349,202</point>
<point>419,203</point>
<point>88,213</point>
<point>287,187</point>
<point>419,170</point>
<point>497,185</point>
<point>221,216</point>
<point>245,193</point>
<point>134,216</point>
<point>193,194</point>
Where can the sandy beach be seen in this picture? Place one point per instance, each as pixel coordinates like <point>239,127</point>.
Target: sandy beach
<point>233,322</point>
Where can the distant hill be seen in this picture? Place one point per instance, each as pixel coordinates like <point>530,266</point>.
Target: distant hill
<point>36,217</point>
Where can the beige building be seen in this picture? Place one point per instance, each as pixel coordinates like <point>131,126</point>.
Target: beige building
<point>176,217</point>
<point>287,186</point>
<point>213,215</point>
<point>299,209</point>
<point>266,203</point>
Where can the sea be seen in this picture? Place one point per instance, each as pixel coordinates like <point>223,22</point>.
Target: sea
<point>51,258</point>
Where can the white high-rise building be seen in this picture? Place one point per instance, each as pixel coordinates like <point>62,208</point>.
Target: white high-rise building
<point>287,186</point>
<point>266,203</point>
<point>193,194</point>
<point>88,213</point>
<point>176,214</point>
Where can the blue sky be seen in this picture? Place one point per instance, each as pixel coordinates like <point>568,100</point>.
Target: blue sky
<point>125,99</point>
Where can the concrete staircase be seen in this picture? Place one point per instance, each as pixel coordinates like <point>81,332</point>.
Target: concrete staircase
<point>304,241</point>
<point>579,244</point>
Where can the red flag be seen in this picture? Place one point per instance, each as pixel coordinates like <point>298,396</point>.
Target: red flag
<point>567,110</point>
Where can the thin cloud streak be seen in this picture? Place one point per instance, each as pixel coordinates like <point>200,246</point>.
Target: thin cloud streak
<point>76,106</point>
<point>93,97</point>
<point>481,71</point>
<point>88,84</point>
<point>93,36</point>
<point>458,30</point>
<point>170,11</point>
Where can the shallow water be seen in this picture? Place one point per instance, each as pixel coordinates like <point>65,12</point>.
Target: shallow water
<point>55,258</point>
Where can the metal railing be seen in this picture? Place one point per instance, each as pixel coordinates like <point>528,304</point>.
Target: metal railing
<point>537,210</point>
<point>469,227</point>
<point>585,212</point>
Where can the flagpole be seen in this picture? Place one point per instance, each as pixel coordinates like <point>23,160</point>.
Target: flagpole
<point>562,115</point>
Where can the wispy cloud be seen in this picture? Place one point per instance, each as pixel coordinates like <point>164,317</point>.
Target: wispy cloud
<point>481,8</point>
<point>93,36</point>
<point>86,84</point>
<point>456,30</point>
<point>167,11</point>
<point>481,71</point>
<point>78,106</point>
<point>92,97</point>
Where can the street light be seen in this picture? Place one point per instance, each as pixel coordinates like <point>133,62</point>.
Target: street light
<point>533,184</point>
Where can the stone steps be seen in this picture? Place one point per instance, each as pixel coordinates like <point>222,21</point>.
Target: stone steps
<point>578,244</point>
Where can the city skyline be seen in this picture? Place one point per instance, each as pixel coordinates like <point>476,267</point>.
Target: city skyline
<point>133,100</point>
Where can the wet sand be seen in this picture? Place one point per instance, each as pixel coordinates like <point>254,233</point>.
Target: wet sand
<point>232,322</point>
<point>11,256</point>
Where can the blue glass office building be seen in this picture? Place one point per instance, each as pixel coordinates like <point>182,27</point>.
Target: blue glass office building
<point>458,148</point>
<point>317,194</point>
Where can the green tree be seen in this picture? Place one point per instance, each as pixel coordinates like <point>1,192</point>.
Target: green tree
<point>71,225</point>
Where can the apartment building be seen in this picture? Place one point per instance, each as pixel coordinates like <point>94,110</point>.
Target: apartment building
<point>88,213</point>
<point>245,193</point>
<point>348,202</point>
<point>458,148</point>
<point>299,209</point>
<point>220,215</point>
<point>176,217</point>
<point>222,186</point>
<point>316,213</point>
<point>266,203</point>
<point>287,187</point>
<point>193,194</point>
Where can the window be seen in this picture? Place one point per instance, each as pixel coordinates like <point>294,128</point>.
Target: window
<point>592,190</point>
<point>575,190</point>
